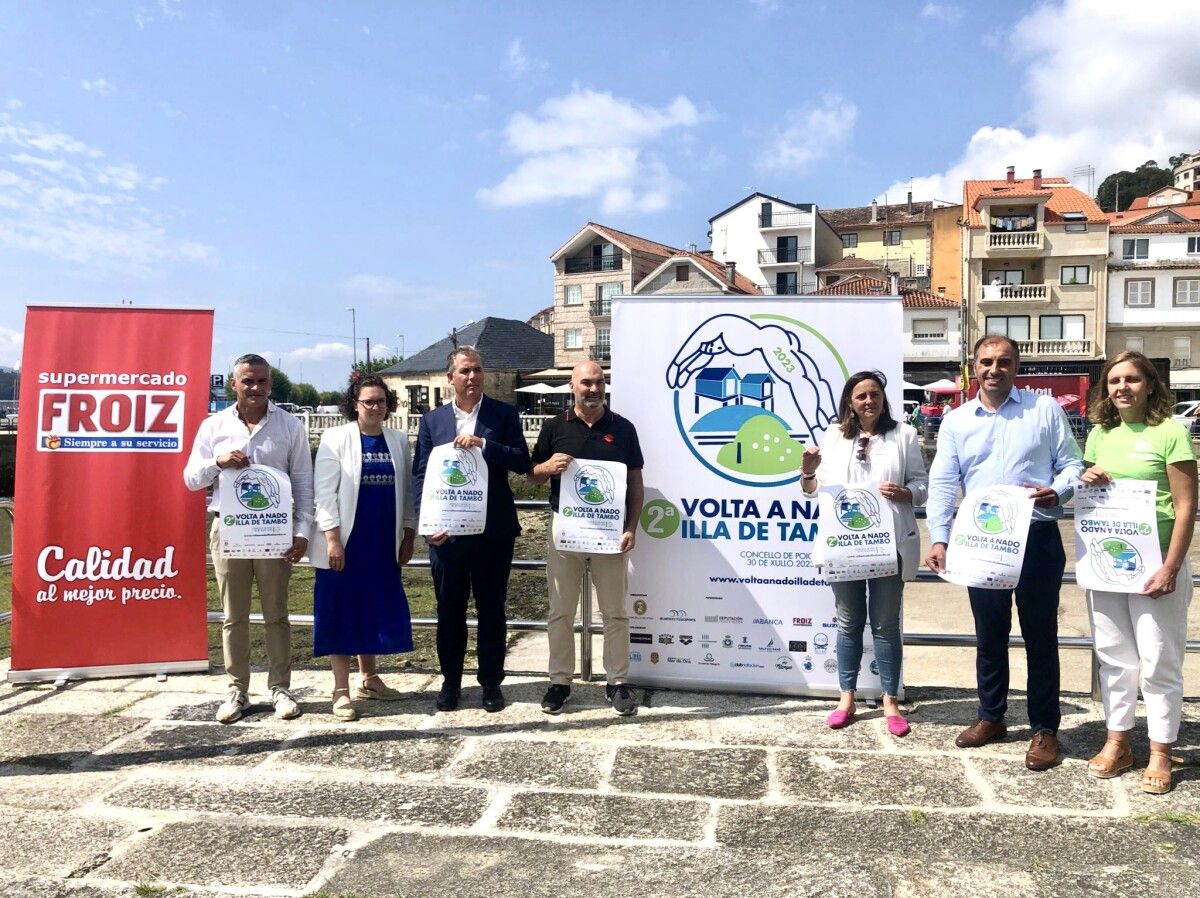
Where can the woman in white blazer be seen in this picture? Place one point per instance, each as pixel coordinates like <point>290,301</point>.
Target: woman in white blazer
<point>867,445</point>
<point>366,525</point>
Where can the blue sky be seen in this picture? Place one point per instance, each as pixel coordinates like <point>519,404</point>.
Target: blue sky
<point>283,161</point>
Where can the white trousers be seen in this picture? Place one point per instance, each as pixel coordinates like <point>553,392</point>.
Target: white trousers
<point>1133,634</point>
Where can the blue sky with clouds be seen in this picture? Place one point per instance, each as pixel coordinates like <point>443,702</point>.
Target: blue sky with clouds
<point>282,161</point>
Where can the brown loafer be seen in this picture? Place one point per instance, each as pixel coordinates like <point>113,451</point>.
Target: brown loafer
<point>980,733</point>
<point>1043,751</point>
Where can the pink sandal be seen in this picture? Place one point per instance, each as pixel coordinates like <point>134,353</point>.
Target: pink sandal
<point>897,725</point>
<point>839,718</point>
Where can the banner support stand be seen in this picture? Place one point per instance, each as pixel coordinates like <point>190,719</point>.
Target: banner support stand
<point>585,632</point>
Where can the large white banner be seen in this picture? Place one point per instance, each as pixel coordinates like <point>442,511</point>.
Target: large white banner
<point>725,394</point>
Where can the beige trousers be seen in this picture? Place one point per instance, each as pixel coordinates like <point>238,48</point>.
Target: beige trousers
<point>234,579</point>
<point>610,576</point>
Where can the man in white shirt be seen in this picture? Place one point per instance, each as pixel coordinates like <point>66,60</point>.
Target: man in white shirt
<point>254,431</point>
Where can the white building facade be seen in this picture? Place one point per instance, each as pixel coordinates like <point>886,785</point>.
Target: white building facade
<point>1154,297</point>
<point>777,244</point>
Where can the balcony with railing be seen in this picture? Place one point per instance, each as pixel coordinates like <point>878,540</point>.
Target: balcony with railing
<point>600,353</point>
<point>788,289</point>
<point>588,264</point>
<point>784,220</point>
<point>1017,293</point>
<point>793,256</point>
<point>1055,347</point>
<point>1016,240</point>
<point>601,308</point>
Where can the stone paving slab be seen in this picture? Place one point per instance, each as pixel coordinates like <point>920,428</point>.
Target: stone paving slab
<point>55,844</point>
<point>370,750</point>
<point>229,854</point>
<point>711,772</point>
<point>59,790</point>
<point>58,740</point>
<point>528,762</point>
<point>452,806</point>
<point>606,816</point>
<point>860,778</point>
<point>797,724</point>
<point>1065,787</point>
<point>202,744</point>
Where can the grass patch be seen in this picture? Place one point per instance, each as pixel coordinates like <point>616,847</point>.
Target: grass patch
<point>1182,818</point>
<point>917,816</point>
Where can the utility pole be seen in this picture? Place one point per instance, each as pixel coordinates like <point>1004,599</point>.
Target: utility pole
<point>368,339</point>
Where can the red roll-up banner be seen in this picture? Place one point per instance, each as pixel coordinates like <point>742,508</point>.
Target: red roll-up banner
<point>108,544</point>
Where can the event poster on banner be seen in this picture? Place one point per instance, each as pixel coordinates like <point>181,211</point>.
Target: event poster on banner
<point>591,507</point>
<point>856,536</point>
<point>109,556</point>
<point>726,394</point>
<point>255,512</point>
<point>987,540</point>
<point>1116,535</point>
<point>454,494</point>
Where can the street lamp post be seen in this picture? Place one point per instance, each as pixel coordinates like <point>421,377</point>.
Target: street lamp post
<point>353,333</point>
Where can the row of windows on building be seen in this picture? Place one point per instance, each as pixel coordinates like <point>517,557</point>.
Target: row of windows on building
<point>890,238</point>
<point>1139,292</point>
<point>1139,248</point>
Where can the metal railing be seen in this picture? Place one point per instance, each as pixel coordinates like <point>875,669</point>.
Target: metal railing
<point>600,353</point>
<point>601,308</point>
<point>784,256</point>
<point>586,627</point>
<point>586,264</point>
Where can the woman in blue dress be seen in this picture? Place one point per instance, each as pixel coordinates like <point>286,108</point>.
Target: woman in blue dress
<point>364,512</point>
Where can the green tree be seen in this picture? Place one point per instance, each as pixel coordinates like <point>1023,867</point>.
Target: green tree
<point>305,394</point>
<point>376,364</point>
<point>1120,188</point>
<point>331,397</point>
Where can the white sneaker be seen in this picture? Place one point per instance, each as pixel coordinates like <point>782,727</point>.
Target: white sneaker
<point>285,706</point>
<point>231,709</point>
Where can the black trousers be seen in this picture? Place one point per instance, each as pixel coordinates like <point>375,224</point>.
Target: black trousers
<point>460,566</point>
<point>1037,609</point>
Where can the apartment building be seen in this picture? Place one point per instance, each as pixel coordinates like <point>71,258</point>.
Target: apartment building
<point>591,268</point>
<point>777,244</point>
<point>932,322</point>
<point>1187,172</point>
<point>691,273</point>
<point>1154,296</point>
<point>899,238</point>
<point>1168,205</point>
<point>1035,266</point>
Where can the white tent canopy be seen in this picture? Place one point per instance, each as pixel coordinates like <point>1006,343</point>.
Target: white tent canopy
<point>941,386</point>
<point>536,388</point>
<point>905,385</point>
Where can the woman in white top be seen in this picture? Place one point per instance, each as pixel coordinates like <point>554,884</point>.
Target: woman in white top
<point>869,446</point>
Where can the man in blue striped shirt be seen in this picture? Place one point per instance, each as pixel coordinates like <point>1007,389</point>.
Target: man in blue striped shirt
<point>1007,435</point>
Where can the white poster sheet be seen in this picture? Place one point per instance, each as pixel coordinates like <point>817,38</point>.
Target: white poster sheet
<point>856,534</point>
<point>255,512</point>
<point>1116,535</point>
<point>454,494</point>
<point>725,395</point>
<point>591,507</point>
<point>987,541</point>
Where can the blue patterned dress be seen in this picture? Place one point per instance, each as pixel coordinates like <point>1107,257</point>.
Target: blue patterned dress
<point>362,609</point>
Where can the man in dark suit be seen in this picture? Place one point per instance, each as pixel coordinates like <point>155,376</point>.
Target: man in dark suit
<point>477,563</point>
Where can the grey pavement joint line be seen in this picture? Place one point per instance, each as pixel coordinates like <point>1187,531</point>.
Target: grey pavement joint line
<point>774,793</point>
<point>604,787</point>
<point>360,838</point>
<point>987,794</point>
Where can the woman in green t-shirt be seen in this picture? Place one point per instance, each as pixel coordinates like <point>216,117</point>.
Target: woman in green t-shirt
<point>1142,631</point>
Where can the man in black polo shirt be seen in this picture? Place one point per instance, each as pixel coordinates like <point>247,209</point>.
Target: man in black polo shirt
<point>589,431</point>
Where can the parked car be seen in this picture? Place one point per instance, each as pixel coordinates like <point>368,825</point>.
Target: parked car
<point>1185,412</point>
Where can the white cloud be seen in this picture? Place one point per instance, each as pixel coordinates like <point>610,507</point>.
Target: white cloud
<point>322,352</point>
<point>12,104</point>
<point>518,63</point>
<point>10,347</point>
<point>1087,102</point>
<point>811,134</point>
<point>65,202</point>
<point>589,144</point>
<point>98,86</point>
<point>765,7</point>
<point>375,285</point>
<point>945,12</point>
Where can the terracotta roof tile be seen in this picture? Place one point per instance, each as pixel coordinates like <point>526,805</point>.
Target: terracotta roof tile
<point>741,283</point>
<point>1131,215</point>
<point>1060,197</point>
<point>861,285</point>
<point>888,216</point>
<point>851,263</point>
<point>633,242</point>
<point>1191,228</point>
